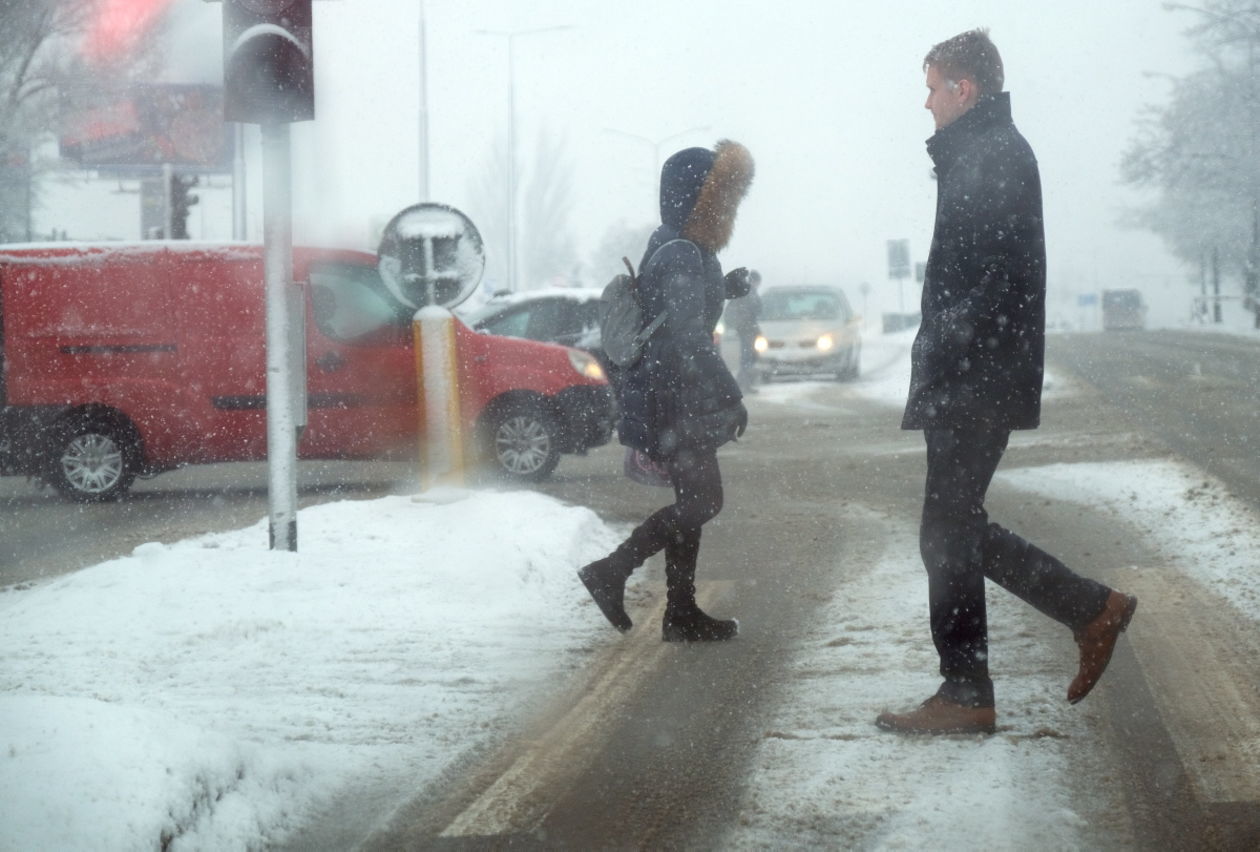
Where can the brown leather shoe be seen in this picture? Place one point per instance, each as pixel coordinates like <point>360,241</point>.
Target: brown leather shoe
<point>940,715</point>
<point>1097,640</point>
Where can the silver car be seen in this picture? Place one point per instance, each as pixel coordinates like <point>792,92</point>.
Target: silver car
<point>808,330</point>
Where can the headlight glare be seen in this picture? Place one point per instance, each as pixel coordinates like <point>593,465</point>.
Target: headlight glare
<point>826,343</point>
<point>760,344</point>
<point>586,365</point>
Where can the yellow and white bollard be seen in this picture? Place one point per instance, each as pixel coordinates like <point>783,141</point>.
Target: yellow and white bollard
<point>442,438</point>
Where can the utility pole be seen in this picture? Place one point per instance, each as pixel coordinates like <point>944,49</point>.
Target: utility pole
<point>269,80</point>
<point>239,231</point>
<point>168,209</point>
<point>423,109</point>
<point>1216,285</point>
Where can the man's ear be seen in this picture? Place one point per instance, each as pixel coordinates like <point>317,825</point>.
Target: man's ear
<point>968,91</point>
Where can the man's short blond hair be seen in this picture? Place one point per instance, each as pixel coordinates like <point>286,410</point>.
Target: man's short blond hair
<point>972,56</point>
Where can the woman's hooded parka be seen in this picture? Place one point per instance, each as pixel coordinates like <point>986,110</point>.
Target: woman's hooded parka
<point>681,394</point>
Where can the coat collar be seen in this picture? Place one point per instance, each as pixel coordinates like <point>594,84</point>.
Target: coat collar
<point>946,144</point>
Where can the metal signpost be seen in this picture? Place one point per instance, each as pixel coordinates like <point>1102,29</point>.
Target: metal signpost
<point>268,79</point>
<point>281,388</point>
<point>431,258</point>
<point>899,268</point>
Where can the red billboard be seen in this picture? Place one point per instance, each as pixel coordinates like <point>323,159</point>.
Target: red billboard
<point>148,126</point>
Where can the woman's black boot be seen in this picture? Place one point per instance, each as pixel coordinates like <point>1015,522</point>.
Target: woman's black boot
<point>684,621</point>
<point>606,578</point>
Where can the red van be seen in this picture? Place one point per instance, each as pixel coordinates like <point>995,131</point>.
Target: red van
<point>119,360</point>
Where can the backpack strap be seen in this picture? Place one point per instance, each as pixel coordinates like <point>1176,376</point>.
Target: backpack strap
<point>643,336</point>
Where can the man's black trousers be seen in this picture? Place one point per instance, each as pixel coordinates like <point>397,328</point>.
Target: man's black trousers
<point>961,548</point>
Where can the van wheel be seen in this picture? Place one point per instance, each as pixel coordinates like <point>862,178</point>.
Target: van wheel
<point>93,461</point>
<point>523,442</point>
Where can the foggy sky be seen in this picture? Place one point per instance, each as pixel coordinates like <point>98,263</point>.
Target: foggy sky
<point>828,97</point>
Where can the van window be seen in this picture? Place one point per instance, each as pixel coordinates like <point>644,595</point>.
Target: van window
<point>350,302</point>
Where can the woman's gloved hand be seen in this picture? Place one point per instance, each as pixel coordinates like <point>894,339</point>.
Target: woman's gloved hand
<point>738,282</point>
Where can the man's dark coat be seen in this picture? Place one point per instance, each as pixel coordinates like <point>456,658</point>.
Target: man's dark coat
<point>978,358</point>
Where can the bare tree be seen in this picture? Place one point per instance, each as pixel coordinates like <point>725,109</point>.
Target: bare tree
<point>488,210</point>
<point>544,241</point>
<point>43,61</point>
<point>1201,151</point>
<point>547,250</point>
<point>620,240</point>
<point>29,69</point>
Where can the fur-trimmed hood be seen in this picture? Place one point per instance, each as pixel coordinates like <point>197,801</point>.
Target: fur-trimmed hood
<point>701,191</point>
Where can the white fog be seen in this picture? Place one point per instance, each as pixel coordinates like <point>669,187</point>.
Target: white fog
<point>828,98</point>
<point>483,630</point>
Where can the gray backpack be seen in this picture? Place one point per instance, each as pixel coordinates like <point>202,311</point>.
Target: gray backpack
<point>622,332</point>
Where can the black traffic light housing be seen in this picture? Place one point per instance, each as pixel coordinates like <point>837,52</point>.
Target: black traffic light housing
<point>181,201</point>
<point>268,61</point>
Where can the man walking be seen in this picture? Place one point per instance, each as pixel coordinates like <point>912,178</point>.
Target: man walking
<point>741,318</point>
<point>976,375</point>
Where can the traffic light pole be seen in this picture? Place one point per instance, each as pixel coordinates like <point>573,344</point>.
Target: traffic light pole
<point>269,80</point>
<point>281,380</point>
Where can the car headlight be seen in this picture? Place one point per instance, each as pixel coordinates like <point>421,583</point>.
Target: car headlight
<point>586,365</point>
<point>760,344</point>
<point>826,343</point>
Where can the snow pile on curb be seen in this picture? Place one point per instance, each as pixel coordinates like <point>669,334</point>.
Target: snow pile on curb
<point>212,692</point>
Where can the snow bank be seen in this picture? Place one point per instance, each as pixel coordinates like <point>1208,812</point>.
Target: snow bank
<point>213,693</point>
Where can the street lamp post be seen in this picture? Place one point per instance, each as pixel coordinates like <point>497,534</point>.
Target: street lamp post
<point>656,151</point>
<point>423,110</point>
<point>511,36</point>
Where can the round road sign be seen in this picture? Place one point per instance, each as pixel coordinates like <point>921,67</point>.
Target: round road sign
<point>431,254</point>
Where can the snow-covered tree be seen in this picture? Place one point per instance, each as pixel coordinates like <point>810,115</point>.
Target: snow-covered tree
<point>544,242</point>
<point>1200,152</point>
<point>31,54</point>
<point>51,50</point>
<point>620,240</point>
<point>547,250</point>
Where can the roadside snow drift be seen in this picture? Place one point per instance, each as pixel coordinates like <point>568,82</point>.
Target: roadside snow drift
<point>212,692</point>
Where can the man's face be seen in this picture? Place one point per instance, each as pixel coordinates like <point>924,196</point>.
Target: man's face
<point>947,100</point>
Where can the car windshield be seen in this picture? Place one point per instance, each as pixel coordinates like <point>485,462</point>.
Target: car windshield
<point>797,305</point>
<point>477,316</point>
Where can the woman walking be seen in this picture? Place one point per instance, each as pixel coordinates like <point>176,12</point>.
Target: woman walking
<point>679,402</point>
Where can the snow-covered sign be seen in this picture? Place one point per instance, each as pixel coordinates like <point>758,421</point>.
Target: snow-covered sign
<point>431,254</point>
<point>898,258</point>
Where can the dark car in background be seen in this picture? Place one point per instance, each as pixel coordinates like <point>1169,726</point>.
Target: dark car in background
<point>569,316</point>
<point>1123,310</point>
<point>808,330</point>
